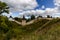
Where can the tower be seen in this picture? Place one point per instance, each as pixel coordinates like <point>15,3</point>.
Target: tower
<point>23,21</point>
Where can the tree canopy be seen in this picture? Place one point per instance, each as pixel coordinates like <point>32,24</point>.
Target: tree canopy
<point>3,8</point>
<point>32,17</point>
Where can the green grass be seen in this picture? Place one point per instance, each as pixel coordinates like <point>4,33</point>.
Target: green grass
<point>51,34</point>
<point>10,30</point>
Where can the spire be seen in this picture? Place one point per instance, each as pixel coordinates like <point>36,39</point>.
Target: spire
<point>24,17</point>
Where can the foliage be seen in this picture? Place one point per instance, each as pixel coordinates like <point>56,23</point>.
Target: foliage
<point>32,17</point>
<point>18,19</point>
<point>48,16</point>
<point>3,7</point>
<point>11,30</point>
<point>39,16</point>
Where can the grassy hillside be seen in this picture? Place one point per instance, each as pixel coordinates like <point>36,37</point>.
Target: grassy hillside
<point>52,31</point>
<point>39,30</point>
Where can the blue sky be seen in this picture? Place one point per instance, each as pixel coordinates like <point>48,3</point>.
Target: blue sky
<point>46,3</point>
<point>18,7</point>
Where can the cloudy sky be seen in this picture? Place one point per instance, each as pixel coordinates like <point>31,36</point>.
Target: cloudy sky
<point>35,7</point>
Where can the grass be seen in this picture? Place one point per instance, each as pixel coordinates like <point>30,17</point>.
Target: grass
<point>51,31</point>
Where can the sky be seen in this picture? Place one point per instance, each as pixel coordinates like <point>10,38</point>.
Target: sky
<point>46,3</point>
<point>18,8</point>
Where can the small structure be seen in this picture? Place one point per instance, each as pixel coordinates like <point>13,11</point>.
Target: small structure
<point>23,21</point>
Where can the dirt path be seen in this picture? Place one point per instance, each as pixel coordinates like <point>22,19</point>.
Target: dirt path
<point>17,22</point>
<point>28,23</point>
<point>42,27</point>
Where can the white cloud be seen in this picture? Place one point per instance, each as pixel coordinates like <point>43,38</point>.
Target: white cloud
<point>43,6</point>
<point>53,11</point>
<point>8,15</point>
<point>48,11</point>
<point>57,2</point>
<point>32,12</point>
<point>20,5</point>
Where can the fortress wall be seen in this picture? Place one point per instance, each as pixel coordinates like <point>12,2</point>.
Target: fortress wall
<point>23,23</point>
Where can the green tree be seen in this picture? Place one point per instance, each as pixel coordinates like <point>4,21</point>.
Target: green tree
<point>32,17</point>
<point>48,16</point>
<point>3,8</point>
<point>39,16</point>
<point>3,25</point>
<point>11,17</point>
